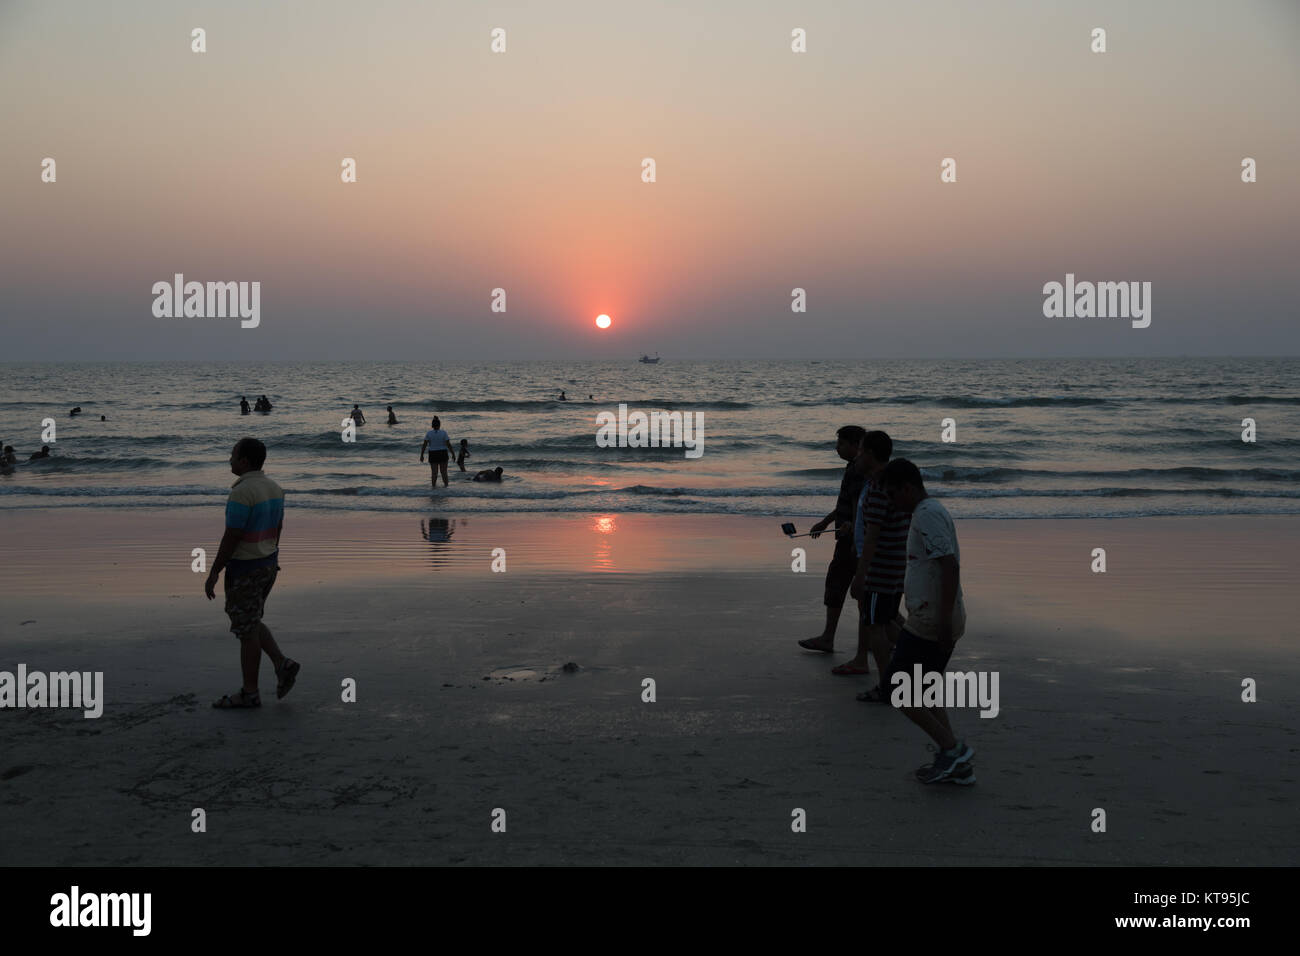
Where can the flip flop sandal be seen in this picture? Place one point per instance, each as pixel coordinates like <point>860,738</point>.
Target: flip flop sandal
<point>238,701</point>
<point>287,675</point>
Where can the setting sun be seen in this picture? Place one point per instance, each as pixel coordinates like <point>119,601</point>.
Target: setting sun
<point>603,321</point>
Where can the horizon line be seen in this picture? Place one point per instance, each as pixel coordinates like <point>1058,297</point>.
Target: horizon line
<point>396,361</point>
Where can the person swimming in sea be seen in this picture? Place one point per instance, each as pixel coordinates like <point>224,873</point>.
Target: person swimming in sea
<point>392,419</point>
<point>37,455</point>
<point>563,397</point>
<point>463,453</point>
<point>489,474</point>
<point>9,457</point>
<point>357,415</point>
<point>75,411</point>
<point>243,404</point>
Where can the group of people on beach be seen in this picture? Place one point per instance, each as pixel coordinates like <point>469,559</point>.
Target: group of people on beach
<point>895,545</point>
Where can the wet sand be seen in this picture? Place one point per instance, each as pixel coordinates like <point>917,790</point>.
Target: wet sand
<point>1120,691</point>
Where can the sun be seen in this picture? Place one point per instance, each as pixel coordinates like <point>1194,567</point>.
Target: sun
<point>603,321</point>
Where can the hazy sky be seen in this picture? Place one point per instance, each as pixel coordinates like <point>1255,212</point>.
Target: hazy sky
<point>522,170</point>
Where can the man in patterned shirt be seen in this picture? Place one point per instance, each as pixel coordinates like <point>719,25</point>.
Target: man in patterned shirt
<point>249,553</point>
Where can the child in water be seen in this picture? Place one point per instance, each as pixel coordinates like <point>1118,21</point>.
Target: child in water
<point>463,453</point>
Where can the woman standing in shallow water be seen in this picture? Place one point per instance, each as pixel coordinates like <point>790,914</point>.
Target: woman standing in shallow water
<point>438,443</point>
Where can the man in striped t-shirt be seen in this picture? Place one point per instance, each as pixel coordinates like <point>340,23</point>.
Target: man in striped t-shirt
<point>880,534</point>
<point>250,553</point>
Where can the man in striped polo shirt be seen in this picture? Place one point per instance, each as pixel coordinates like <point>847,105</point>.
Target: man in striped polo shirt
<point>880,534</point>
<point>249,554</point>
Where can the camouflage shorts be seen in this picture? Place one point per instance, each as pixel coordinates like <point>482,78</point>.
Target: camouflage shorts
<point>246,596</point>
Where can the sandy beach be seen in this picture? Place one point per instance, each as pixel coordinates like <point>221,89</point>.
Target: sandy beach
<point>1119,690</point>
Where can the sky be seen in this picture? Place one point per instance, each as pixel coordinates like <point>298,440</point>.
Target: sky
<point>522,170</point>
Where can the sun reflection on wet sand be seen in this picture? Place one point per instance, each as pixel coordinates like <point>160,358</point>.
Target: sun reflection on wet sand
<point>603,558</point>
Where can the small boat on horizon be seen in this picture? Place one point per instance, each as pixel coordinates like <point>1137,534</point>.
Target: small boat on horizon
<point>647,360</point>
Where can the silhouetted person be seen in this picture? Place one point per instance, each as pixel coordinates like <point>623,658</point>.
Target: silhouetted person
<point>102,418</point>
<point>9,457</point>
<point>493,474</point>
<point>463,453</point>
<point>438,442</point>
<point>936,614</point>
<point>563,397</point>
<point>75,411</point>
<point>358,415</point>
<point>43,453</point>
<point>844,561</point>
<point>250,555</point>
<point>392,419</point>
<point>243,404</point>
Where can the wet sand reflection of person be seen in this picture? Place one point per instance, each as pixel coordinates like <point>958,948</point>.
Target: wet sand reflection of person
<point>438,532</point>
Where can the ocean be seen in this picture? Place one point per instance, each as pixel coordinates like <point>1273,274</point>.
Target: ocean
<point>1034,438</point>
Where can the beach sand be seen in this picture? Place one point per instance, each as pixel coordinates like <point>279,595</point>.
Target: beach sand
<point>1119,690</point>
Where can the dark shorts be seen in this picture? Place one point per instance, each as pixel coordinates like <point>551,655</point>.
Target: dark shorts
<point>878,607</point>
<point>246,596</point>
<point>438,457</point>
<point>912,650</point>
<point>839,574</point>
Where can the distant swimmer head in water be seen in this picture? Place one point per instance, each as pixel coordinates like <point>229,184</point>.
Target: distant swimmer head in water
<point>75,411</point>
<point>103,418</point>
<point>43,453</point>
<point>563,397</point>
